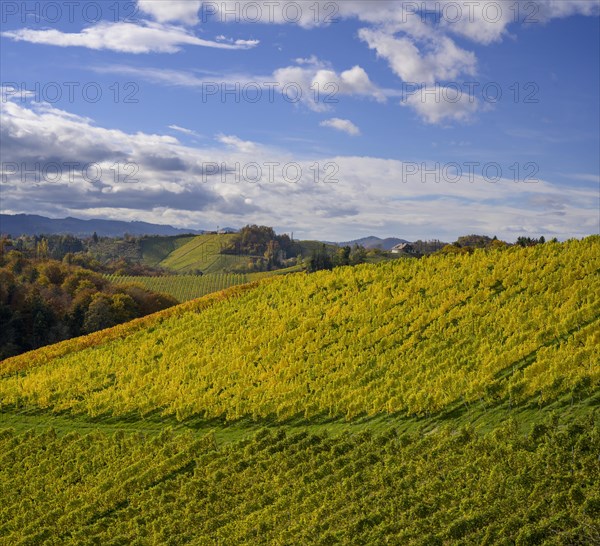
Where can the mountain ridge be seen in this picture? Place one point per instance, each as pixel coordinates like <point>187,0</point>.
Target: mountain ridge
<point>34,224</point>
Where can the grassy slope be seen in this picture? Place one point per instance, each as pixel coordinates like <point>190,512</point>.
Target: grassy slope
<point>156,249</point>
<point>201,252</point>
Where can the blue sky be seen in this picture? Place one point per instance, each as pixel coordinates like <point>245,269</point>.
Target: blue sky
<point>400,90</point>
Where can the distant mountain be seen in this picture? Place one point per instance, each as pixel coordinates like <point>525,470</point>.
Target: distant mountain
<point>32,224</point>
<point>375,242</point>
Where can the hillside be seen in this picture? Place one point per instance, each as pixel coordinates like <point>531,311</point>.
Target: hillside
<point>202,253</point>
<point>400,337</point>
<point>183,287</point>
<point>448,400</point>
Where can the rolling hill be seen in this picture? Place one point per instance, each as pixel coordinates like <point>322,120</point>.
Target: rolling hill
<point>201,253</point>
<point>448,400</point>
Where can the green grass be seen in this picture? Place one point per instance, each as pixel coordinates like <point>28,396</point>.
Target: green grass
<point>201,253</point>
<point>156,249</point>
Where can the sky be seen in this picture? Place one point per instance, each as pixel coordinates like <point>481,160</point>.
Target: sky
<point>332,120</point>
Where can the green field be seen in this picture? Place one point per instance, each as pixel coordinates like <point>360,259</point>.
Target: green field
<point>202,253</point>
<point>183,287</point>
<point>449,400</point>
<point>156,249</point>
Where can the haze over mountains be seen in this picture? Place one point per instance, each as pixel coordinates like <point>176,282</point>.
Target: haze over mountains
<point>32,224</point>
<point>16,225</point>
<point>375,242</point>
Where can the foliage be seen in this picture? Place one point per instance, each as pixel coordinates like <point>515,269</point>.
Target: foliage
<point>184,287</point>
<point>449,487</point>
<point>410,337</point>
<point>261,240</point>
<point>46,301</point>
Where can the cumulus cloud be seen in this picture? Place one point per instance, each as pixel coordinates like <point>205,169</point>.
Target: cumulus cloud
<point>441,59</point>
<point>199,186</point>
<point>484,21</point>
<point>143,37</point>
<point>237,143</point>
<point>439,104</point>
<point>321,85</point>
<point>344,125</point>
<point>415,38</point>
<point>309,81</point>
<point>166,11</point>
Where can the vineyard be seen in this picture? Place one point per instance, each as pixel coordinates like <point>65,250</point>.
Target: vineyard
<point>201,253</point>
<point>448,400</point>
<point>405,337</point>
<point>277,488</point>
<point>183,287</point>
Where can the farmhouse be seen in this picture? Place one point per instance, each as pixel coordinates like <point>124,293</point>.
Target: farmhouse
<point>403,248</point>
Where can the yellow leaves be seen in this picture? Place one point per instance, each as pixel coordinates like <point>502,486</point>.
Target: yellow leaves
<point>405,336</point>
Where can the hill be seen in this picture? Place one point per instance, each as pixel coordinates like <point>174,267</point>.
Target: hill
<point>448,400</point>
<point>32,224</point>
<point>400,337</point>
<point>202,253</point>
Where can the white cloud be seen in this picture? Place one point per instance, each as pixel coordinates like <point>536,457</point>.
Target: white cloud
<point>146,37</point>
<point>483,21</point>
<point>439,104</point>
<point>414,37</point>
<point>173,185</point>
<point>237,143</point>
<point>322,86</point>
<point>443,59</point>
<point>310,82</point>
<point>183,130</point>
<point>344,125</point>
<point>166,11</point>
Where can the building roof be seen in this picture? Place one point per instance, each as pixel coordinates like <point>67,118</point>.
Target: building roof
<point>403,246</point>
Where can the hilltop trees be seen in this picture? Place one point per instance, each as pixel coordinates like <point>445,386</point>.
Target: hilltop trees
<point>256,240</point>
